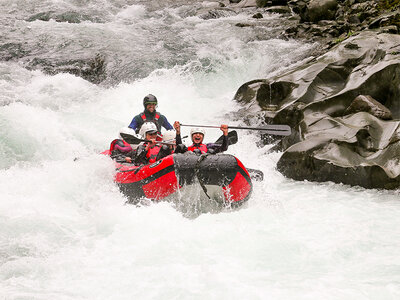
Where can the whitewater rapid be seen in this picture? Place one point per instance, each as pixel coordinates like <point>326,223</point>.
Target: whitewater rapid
<point>65,230</point>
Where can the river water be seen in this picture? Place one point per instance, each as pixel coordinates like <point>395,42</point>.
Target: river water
<point>65,230</point>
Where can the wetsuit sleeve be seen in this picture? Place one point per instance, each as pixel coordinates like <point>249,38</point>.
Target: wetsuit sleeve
<point>165,123</point>
<point>180,147</point>
<point>140,156</point>
<point>178,139</point>
<point>133,124</point>
<point>217,148</point>
<point>164,151</point>
<point>136,123</point>
<point>118,156</point>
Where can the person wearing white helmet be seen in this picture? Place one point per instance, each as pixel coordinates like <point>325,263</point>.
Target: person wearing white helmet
<point>150,115</point>
<point>170,137</point>
<point>197,135</point>
<point>149,151</point>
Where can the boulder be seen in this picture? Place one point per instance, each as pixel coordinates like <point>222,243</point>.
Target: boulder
<point>340,107</point>
<point>246,3</point>
<point>68,16</point>
<point>91,69</point>
<point>364,64</point>
<point>357,149</point>
<point>370,105</point>
<point>317,10</point>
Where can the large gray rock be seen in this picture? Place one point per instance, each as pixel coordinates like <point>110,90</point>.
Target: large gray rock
<point>370,105</point>
<point>364,64</point>
<point>338,135</point>
<point>317,10</point>
<point>357,149</point>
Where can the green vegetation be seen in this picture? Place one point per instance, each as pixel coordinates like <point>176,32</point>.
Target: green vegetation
<point>341,39</point>
<point>388,4</point>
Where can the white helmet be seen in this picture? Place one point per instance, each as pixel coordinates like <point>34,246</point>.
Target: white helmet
<point>196,130</point>
<point>169,136</point>
<point>147,127</point>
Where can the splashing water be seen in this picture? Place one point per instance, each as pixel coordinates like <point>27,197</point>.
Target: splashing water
<point>66,232</point>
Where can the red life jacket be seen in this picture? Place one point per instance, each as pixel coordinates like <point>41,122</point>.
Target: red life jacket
<point>202,147</point>
<point>155,120</point>
<point>112,146</point>
<point>152,153</point>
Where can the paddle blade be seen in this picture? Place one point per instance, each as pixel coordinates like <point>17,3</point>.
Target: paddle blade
<point>131,138</point>
<point>232,138</point>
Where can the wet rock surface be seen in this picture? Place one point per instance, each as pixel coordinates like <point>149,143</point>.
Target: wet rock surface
<point>344,108</point>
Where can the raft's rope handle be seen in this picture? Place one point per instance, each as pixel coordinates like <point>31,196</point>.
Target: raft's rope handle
<point>196,171</point>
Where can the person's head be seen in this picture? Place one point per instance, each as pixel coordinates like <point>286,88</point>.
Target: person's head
<point>170,137</point>
<point>148,130</point>
<point>150,103</point>
<point>197,135</point>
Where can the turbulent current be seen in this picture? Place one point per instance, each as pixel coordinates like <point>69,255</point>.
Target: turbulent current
<point>65,230</point>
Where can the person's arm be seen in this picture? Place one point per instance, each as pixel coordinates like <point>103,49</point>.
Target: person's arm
<point>140,155</point>
<point>224,146</point>
<point>164,151</point>
<point>136,123</point>
<point>133,124</point>
<point>128,157</point>
<point>165,123</point>
<point>177,127</point>
<point>217,148</point>
<point>118,156</point>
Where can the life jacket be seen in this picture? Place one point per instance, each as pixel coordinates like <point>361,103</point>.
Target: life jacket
<point>201,147</point>
<point>157,116</point>
<point>152,153</point>
<point>116,144</point>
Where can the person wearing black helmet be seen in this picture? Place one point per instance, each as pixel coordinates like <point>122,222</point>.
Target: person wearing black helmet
<point>150,115</point>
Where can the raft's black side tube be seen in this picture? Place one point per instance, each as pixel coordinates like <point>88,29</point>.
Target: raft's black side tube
<point>218,169</point>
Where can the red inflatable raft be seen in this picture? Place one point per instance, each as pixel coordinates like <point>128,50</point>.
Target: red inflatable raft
<point>221,174</point>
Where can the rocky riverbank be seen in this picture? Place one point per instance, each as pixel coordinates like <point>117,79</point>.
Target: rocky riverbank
<point>343,105</point>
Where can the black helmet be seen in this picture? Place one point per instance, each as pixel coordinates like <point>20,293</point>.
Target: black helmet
<point>149,99</point>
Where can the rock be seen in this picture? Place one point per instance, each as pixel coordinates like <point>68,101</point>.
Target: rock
<point>279,9</point>
<point>320,10</point>
<point>368,104</point>
<point>338,135</point>
<point>331,82</point>
<point>210,4</point>
<point>68,16</point>
<point>92,69</point>
<point>389,19</point>
<point>389,29</point>
<point>12,51</point>
<point>216,13</point>
<point>246,3</point>
<point>257,16</point>
<point>357,149</point>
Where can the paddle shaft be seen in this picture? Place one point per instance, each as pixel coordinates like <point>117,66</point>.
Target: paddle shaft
<point>131,139</point>
<point>277,129</point>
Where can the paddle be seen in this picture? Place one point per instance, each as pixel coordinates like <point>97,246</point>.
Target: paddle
<point>269,129</point>
<point>232,138</point>
<point>132,139</point>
